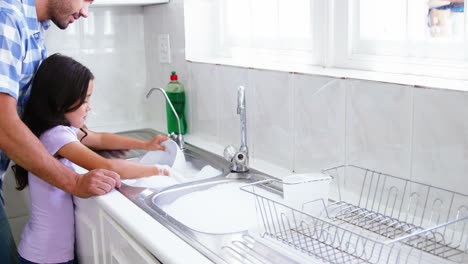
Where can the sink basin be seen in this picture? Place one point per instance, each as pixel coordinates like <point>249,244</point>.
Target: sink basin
<point>232,211</point>
<point>213,215</point>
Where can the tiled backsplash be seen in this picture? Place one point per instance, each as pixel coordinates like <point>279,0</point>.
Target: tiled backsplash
<point>299,122</point>
<point>111,43</point>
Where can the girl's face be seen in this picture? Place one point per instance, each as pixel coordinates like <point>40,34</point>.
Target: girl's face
<point>77,118</point>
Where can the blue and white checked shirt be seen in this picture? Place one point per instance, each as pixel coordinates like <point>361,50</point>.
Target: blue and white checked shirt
<point>22,49</point>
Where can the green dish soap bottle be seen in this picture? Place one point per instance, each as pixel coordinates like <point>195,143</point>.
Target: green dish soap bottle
<point>175,92</point>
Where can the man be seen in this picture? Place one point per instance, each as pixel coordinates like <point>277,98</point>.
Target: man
<point>22,25</point>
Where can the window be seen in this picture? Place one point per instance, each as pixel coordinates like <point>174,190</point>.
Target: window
<point>270,30</point>
<point>254,32</point>
<point>418,37</point>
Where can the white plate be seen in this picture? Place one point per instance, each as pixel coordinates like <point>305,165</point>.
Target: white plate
<point>152,182</point>
<point>162,157</point>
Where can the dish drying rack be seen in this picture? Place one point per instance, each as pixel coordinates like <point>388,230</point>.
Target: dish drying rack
<point>370,217</point>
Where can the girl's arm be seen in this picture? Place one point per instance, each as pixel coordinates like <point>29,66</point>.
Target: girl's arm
<point>97,140</point>
<point>22,146</point>
<point>88,159</point>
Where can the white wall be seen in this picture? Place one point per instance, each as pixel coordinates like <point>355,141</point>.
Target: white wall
<point>306,123</point>
<point>298,122</point>
<point>111,43</point>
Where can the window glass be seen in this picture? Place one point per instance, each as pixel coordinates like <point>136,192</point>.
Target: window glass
<point>382,19</point>
<point>418,37</point>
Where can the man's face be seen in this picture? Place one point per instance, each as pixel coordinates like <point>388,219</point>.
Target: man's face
<point>64,12</point>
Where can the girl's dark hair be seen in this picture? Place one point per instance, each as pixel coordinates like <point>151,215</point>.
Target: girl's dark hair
<point>60,86</point>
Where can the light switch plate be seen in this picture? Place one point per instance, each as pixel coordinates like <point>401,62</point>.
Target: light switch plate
<point>164,48</point>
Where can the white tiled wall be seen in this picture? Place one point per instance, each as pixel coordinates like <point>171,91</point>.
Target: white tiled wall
<point>271,117</point>
<point>111,43</point>
<point>306,123</point>
<point>319,122</point>
<point>440,138</point>
<point>378,126</point>
<point>229,79</point>
<point>298,122</point>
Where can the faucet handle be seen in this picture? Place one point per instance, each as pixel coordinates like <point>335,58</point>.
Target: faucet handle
<point>239,159</point>
<point>178,138</point>
<point>172,136</point>
<point>229,152</point>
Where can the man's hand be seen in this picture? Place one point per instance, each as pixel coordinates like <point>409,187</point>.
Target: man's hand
<point>96,182</point>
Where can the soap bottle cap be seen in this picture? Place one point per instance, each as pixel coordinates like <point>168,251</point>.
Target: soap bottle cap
<point>173,76</point>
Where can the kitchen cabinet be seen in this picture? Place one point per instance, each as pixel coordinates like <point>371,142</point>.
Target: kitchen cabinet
<point>88,233</point>
<point>127,2</point>
<point>100,239</point>
<point>119,247</point>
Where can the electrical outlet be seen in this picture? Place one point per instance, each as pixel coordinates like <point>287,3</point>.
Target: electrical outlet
<point>164,48</point>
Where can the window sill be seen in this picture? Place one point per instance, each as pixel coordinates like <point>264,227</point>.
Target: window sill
<point>403,79</point>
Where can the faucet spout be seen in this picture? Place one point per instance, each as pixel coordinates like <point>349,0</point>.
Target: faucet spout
<point>239,158</point>
<point>243,118</point>
<point>179,138</point>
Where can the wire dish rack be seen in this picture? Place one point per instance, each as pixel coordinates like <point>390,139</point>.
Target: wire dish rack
<point>370,217</point>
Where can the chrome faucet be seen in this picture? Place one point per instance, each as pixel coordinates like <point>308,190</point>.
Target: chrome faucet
<point>179,139</point>
<point>239,159</point>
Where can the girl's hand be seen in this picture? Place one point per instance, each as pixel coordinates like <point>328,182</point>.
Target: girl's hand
<point>155,143</point>
<point>163,170</point>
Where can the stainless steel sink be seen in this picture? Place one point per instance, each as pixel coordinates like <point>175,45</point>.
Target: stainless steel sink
<point>235,244</point>
<point>224,211</point>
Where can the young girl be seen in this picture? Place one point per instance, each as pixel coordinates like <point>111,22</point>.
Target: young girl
<point>56,113</point>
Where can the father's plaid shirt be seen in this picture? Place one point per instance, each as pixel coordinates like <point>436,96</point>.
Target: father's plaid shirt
<point>22,49</point>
